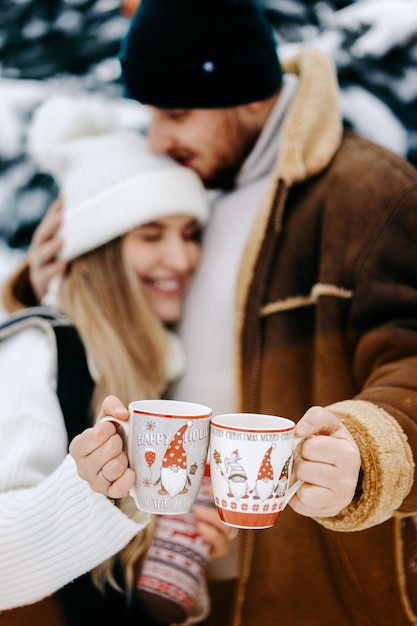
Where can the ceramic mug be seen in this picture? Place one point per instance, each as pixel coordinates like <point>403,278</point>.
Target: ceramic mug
<point>167,445</point>
<point>251,458</point>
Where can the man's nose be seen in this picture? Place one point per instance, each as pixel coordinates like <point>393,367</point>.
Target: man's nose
<point>158,139</point>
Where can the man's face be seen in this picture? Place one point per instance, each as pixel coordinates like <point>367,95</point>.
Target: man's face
<point>213,142</point>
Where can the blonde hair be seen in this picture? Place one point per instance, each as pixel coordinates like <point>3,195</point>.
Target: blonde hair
<point>126,343</point>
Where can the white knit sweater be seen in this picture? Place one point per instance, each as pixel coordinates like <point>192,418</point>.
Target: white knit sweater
<point>53,527</point>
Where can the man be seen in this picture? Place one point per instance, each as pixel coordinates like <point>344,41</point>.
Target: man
<point>305,304</point>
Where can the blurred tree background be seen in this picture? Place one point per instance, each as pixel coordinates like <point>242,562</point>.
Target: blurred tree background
<point>72,46</point>
<point>56,45</point>
<point>41,39</point>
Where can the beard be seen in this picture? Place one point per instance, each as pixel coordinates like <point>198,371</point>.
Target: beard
<point>238,489</point>
<point>173,481</point>
<point>226,170</point>
<point>224,177</point>
<point>220,151</point>
<point>264,488</point>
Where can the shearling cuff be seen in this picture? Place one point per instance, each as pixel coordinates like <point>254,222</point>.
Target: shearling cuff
<point>387,465</point>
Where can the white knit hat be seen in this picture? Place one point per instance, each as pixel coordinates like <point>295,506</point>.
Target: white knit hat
<point>108,179</point>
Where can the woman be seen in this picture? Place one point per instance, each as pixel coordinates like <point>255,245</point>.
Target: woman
<point>131,233</point>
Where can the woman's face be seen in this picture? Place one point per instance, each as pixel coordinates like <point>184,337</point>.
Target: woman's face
<point>164,255</point>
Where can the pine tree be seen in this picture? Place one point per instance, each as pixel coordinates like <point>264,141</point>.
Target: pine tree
<point>74,43</point>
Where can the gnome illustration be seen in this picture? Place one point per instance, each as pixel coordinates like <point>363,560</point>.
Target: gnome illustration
<point>282,483</point>
<point>236,476</point>
<point>265,481</point>
<point>174,466</point>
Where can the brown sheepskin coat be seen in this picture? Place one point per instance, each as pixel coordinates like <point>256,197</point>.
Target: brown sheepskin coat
<point>327,315</point>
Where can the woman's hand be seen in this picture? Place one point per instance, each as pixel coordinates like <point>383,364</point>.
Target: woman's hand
<point>44,250</point>
<point>218,534</point>
<point>99,455</point>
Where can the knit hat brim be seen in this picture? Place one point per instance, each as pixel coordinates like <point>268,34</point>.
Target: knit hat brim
<point>109,181</point>
<point>146,197</point>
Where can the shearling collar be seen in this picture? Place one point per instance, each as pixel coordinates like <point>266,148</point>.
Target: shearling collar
<point>261,160</point>
<point>313,127</point>
<point>310,135</point>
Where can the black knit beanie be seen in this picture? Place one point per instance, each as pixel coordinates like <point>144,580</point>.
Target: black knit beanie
<point>187,54</point>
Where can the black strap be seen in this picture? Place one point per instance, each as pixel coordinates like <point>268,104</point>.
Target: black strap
<point>74,383</point>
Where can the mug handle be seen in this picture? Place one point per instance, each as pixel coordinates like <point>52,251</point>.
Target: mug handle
<point>123,423</point>
<point>294,488</point>
<point>126,430</point>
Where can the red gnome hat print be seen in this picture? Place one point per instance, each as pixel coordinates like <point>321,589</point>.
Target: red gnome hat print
<point>174,465</point>
<point>265,482</point>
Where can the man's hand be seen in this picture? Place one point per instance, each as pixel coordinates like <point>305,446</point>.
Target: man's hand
<point>43,251</point>
<point>329,465</point>
<point>99,454</point>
